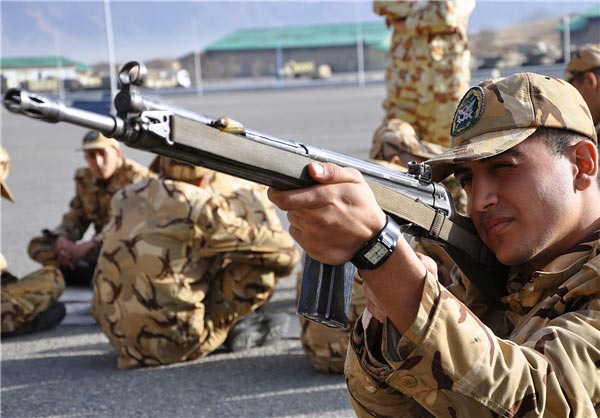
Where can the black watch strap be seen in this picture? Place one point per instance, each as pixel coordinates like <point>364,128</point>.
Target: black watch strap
<point>379,248</point>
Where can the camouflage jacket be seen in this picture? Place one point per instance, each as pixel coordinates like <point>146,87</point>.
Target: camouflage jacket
<point>428,17</point>
<point>180,264</point>
<point>538,357</point>
<point>92,199</point>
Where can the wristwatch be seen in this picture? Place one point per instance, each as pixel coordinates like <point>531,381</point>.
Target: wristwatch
<point>379,248</point>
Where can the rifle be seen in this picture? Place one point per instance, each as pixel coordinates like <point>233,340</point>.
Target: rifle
<point>424,209</point>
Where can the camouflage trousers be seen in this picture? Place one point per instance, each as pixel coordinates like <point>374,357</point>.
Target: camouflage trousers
<point>424,85</point>
<point>425,92</point>
<point>25,299</point>
<point>147,329</point>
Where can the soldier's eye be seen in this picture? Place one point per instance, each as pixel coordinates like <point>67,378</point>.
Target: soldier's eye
<point>464,179</point>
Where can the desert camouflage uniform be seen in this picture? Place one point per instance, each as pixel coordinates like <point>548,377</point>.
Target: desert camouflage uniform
<point>427,72</point>
<point>180,265</point>
<point>21,301</point>
<point>456,364</point>
<point>90,206</point>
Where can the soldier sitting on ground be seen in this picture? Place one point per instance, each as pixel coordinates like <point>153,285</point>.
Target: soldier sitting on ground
<point>184,259</point>
<point>106,173</point>
<point>29,304</point>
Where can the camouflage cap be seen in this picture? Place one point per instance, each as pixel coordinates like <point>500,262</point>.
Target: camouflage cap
<point>499,114</point>
<point>583,59</point>
<point>95,140</point>
<point>4,171</point>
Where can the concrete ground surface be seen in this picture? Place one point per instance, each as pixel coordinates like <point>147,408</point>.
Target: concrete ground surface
<point>70,371</point>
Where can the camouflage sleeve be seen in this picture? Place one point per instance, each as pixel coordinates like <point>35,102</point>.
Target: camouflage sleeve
<point>440,17</point>
<point>74,222</point>
<point>451,364</point>
<point>395,9</point>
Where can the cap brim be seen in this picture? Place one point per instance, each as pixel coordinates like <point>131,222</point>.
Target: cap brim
<point>94,146</point>
<point>482,146</point>
<point>99,146</point>
<point>6,192</point>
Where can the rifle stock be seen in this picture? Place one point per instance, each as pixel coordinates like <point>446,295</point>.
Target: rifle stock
<point>422,207</point>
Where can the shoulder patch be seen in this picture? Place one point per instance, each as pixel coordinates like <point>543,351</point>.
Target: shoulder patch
<point>468,111</point>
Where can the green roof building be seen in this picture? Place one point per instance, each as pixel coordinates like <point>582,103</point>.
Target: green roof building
<point>263,52</point>
<point>373,34</point>
<point>45,73</point>
<point>584,27</point>
<point>41,63</point>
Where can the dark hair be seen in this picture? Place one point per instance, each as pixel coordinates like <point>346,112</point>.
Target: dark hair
<point>559,140</point>
<point>578,77</point>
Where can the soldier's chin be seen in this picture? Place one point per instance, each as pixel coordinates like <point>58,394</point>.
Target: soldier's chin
<point>100,175</point>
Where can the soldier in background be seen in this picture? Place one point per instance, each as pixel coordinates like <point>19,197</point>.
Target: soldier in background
<point>107,172</point>
<point>184,259</point>
<point>31,303</point>
<point>427,74</point>
<point>583,72</point>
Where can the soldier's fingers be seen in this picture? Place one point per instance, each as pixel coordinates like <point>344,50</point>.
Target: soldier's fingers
<point>329,173</point>
<point>308,198</point>
<point>319,195</point>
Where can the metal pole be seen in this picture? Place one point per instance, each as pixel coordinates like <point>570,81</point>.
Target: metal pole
<point>197,59</point>
<point>112,65</point>
<point>59,72</point>
<point>360,56</point>
<point>360,50</point>
<point>566,38</point>
<point>279,61</point>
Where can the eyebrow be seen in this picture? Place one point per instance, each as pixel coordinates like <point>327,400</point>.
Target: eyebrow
<point>460,170</point>
<point>508,153</point>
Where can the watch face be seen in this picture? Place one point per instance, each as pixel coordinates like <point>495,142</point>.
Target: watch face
<point>376,253</point>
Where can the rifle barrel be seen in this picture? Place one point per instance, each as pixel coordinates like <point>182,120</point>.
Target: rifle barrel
<point>53,111</point>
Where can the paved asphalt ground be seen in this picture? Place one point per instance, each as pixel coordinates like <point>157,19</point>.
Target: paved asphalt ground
<point>70,371</point>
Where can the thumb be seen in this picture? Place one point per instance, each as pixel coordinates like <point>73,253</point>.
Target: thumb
<point>329,173</point>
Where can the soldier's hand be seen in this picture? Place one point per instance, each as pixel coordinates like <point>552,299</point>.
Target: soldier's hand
<point>64,250</point>
<point>333,219</point>
<point>79,250</point>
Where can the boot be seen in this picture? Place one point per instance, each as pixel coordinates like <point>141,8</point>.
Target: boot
<point>257,330</point>
<point>45,320</point>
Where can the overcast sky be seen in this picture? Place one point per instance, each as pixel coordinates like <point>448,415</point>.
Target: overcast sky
<point>145,30</point>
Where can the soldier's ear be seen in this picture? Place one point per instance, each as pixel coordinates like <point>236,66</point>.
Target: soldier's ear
<point>591,79</point>
<point>585,164</point>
